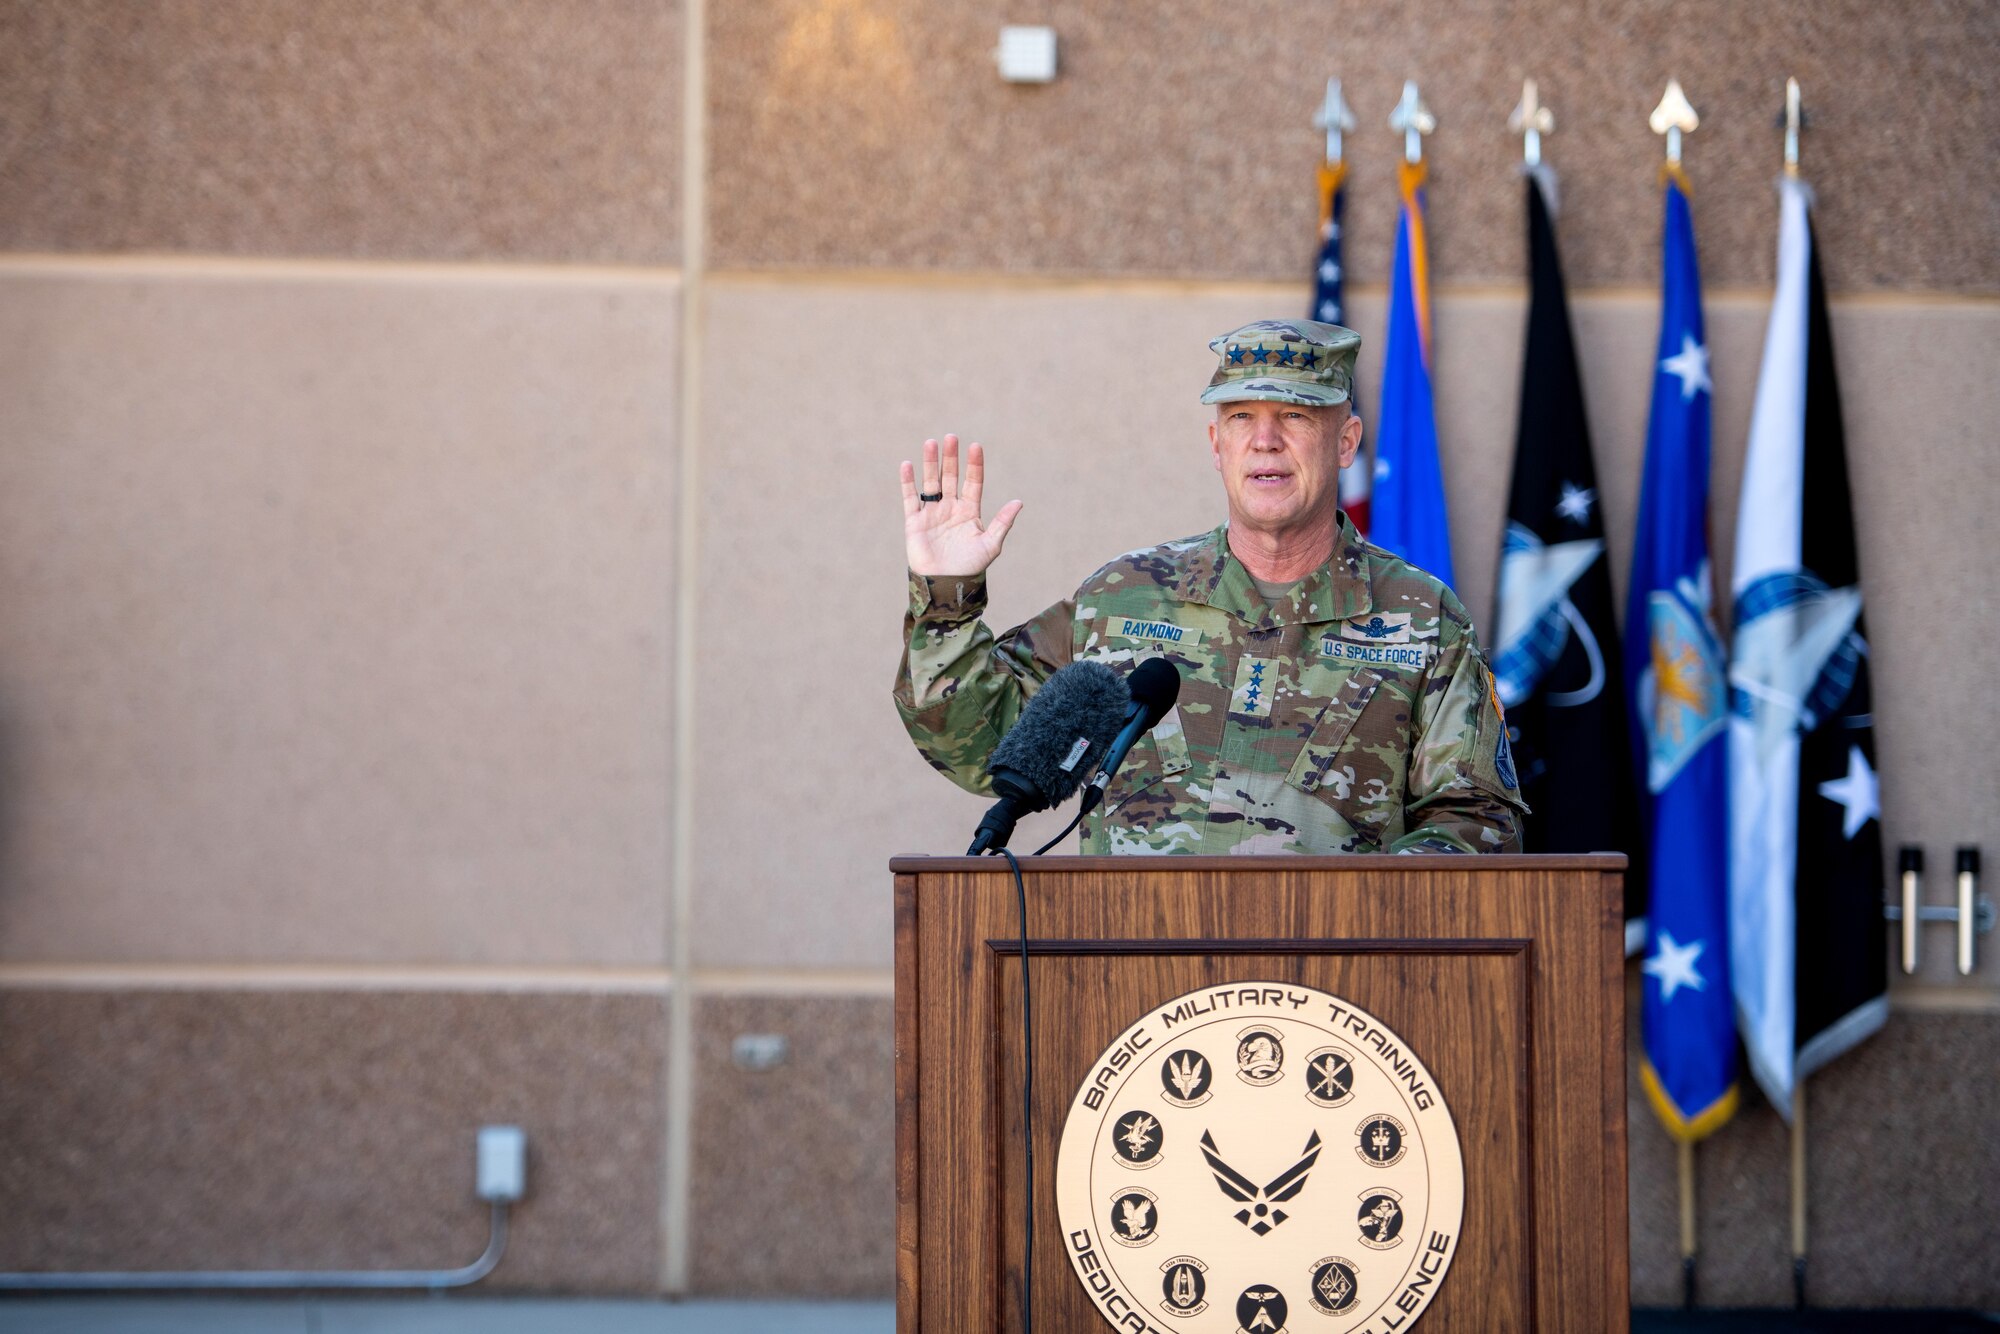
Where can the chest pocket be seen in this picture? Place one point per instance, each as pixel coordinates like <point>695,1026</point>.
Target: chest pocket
<point>1315,766</point>
<point>1161,753</point>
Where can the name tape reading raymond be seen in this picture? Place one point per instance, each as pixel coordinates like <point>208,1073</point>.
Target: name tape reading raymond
<point>1159,632</point>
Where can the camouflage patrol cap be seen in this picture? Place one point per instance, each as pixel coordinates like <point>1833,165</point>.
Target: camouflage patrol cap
<point>1291,361</point>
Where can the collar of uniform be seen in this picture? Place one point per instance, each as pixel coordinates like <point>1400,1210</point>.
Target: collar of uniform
<point>1336,591</point>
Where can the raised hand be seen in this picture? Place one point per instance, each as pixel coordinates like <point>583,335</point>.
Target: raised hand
<point>946,537</point>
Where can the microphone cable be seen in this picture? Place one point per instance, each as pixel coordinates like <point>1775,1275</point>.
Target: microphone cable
<point>1109,811</point>
<point>1074,821</point>
<point>1027,1101</point>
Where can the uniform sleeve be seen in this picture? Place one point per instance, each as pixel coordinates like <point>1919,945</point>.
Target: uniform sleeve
<point>1463,793</point>
<point>959,689</point>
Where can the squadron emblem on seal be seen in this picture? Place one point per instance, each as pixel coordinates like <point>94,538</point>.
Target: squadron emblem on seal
<point>1137,1140</point>
<point>1242,1183</point>
<point>1260,1056</point>
<point>1185,1075</point>
<point>1330,1076</point>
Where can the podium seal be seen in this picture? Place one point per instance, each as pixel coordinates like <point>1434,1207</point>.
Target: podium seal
<point>1272,1164</point>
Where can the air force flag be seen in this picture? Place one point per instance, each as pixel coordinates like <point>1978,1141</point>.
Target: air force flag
<point>1675,685</point>
<point>1407,509</point>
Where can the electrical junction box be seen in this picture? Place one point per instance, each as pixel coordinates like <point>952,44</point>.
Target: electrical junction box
<point>1027,55</point>
<point>503,1163</point>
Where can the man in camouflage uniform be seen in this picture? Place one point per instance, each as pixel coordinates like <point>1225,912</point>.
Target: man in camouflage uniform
<point>1333,697</point>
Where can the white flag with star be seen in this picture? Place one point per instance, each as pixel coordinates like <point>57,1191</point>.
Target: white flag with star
<point>1808,964</point>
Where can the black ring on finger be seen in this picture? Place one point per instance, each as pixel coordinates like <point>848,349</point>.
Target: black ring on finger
<point>926,497</point>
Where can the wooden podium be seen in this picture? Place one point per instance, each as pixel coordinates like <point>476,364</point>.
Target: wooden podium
<point>1503,975</point>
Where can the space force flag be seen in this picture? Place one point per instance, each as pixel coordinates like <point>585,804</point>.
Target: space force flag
<point>1808,954</point>
<point>1407,508</point>
<point>1556,663</point>
<point>1329,306</point>
<point>1675,685</point>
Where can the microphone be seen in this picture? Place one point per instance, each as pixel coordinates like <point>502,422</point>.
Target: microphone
<point>1041,761</point>
<point>1154,684</point>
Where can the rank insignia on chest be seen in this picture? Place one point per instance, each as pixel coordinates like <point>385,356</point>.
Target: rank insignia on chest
<point>1256,681</point>
<point>1380,627</point>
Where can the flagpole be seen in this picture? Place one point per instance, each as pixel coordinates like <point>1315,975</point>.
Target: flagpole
<point>1686,1147</point>
<point>1799,1195</point>
<point>1792,120</point>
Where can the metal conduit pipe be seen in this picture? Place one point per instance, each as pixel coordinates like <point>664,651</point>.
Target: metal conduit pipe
<point>502,1180</point>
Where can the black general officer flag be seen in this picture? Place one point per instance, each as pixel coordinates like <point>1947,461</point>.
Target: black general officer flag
<point>1808,954</point>
<point>1556,661</point>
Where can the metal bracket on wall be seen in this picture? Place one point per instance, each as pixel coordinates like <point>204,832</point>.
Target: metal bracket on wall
<point>502,1178</point>
<point>1973,914</point>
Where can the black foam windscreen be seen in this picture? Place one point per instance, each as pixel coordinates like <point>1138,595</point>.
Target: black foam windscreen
<point>1085,703</point>
<point>1154,684</point>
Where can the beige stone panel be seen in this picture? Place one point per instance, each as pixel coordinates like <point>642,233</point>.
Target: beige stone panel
<point>1072,388</point>
<point>1920,401</point>
<point>1899,1129</point>
<point>794,1167</point>
<point>329,1130</point>
<point>1177,139</point>
<point>334,616</point>
<point>806,784</point>
<point>458,130</point>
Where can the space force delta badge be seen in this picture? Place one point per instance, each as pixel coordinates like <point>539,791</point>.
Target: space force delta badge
<point>1378,627</point>
<point>1260,1124</point>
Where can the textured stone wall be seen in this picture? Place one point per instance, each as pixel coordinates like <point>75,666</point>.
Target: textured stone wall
<point>381,756</point>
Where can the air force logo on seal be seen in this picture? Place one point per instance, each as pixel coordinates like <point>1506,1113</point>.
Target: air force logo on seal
<point>1262,1214</point>
<point>1352,1139</point>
